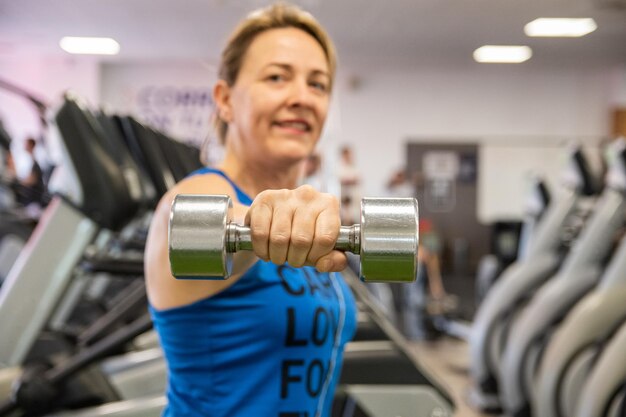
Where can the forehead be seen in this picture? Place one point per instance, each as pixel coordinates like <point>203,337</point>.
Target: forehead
<point>286,46</point>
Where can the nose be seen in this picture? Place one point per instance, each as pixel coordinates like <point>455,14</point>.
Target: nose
<point>300,94</point>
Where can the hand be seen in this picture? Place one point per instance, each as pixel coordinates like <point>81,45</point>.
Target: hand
<point>298,226</point>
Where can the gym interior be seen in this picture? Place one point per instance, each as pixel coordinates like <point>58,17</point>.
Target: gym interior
<point>502,293</point>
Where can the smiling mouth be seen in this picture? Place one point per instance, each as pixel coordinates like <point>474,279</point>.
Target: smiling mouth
<point>298,125</point>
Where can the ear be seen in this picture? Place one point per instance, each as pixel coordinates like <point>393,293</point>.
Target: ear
<point>221,98</point>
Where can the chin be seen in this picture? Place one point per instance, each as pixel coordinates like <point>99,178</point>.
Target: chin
<point>287,158</point>
<point>294,157</point>
<point>292,151</point>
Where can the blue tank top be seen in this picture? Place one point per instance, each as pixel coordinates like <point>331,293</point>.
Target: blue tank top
<point>270,345</point>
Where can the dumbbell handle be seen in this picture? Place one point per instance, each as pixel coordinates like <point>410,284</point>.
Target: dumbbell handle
<point>239,238</point>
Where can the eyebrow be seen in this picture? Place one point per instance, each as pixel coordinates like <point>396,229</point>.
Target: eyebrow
<point>289,68</point>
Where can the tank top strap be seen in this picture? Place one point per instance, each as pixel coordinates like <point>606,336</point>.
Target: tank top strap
<point>241,196</point>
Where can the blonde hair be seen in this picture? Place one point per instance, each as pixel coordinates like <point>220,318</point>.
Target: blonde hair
<point>276,16</point>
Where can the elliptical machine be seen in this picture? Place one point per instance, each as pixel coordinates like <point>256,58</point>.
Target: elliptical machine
<point>520,280</point>
<point>580,272</point>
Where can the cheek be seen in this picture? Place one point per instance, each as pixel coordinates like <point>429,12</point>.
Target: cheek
<point>322,112</point>
<point>263,107</point>
<point>247,114</point>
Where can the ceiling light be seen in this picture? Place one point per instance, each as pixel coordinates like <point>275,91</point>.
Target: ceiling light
<point>503,54</point>
<point>93,46</point>
<point>560,27</point>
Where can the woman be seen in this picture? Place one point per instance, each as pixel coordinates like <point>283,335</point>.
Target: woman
<point>269,340</point>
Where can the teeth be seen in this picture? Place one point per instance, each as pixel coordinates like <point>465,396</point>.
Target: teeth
<point>296,125</point>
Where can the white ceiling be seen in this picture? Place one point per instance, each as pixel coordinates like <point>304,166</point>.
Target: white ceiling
<point>400,32</point>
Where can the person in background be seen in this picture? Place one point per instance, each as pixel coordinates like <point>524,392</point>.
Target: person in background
<point>428,255</point>
<point>5,139</point>
<point>313,174</point>
<point>8,178</point>
<point>267,342</point>
<point>30,190</point>
<point>399,185</point>
<point>33,188</point>
<point>412,304</point>
<point>350,183</point>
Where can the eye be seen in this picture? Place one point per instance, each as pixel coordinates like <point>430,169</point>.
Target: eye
<point>276,78</point>
<point>319,85</point>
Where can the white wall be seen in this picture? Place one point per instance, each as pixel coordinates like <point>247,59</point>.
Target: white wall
<point>508,167</point>
<point>618,87</point>
<point>520,111</point>
<point>522,115</point>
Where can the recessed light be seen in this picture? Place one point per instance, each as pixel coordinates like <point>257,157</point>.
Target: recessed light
<point>92,46</point>
<point>504,54</point>
<point>560,27</point>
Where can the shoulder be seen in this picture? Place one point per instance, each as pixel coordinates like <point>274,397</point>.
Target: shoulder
<point>164,291</point>
<point>210,183</point>
<point>197,184</point>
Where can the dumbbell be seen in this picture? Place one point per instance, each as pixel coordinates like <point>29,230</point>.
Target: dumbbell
<point>202,238</point>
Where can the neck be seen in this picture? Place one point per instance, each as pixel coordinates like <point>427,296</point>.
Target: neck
<point>254,177</point>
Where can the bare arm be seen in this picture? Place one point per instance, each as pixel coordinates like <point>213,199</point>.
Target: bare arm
<point>165,291</point>
<point>431,261</point>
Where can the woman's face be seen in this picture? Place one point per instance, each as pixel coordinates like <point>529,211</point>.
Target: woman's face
<point>278,104</point>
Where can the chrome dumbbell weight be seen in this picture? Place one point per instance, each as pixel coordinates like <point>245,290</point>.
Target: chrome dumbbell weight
<point>202,238</point>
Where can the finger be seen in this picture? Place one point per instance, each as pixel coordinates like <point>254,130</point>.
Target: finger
<point>280,233</point>
<point>302,233</point>
<point>259,219</point>
<point>326,232</point>
<point>335,261</point>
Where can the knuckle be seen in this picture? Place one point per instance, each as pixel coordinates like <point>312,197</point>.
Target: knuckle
<point>261,206</point>
<point>301,240</point>
<point>332,201</point>
<point>262,196</point>
<point>306,192</point>
<point>259,233</point>
<point>266,197</point>
<point>326,240</point>
<point>279,239</point>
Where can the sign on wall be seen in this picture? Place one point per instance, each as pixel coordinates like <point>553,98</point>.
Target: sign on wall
<point>183,112</point>
<point>175,98</point>
<point>440,170</point>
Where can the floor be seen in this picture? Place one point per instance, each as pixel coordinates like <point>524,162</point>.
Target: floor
<point>448,359</point>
